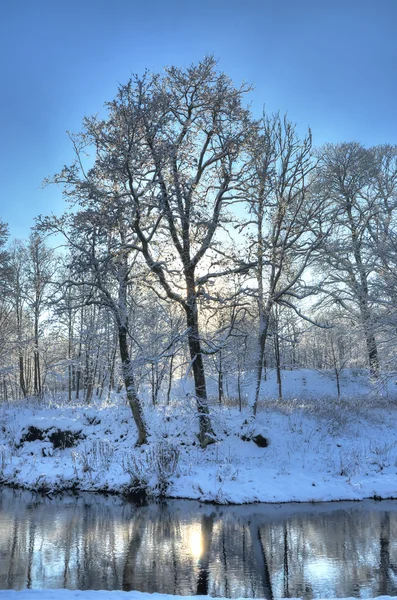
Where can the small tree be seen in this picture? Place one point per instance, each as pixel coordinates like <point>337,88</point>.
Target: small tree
<point>39,267</point>
<point>102,267</point>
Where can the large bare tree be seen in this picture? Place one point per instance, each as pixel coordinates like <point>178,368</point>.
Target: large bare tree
<point>170,154</point>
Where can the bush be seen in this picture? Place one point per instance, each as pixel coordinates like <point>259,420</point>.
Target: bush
<point>153,469</point>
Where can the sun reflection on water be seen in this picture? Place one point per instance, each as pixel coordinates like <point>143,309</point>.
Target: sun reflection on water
<point>195,542</point>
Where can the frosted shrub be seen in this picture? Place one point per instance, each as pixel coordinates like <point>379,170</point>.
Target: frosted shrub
<point>95,457</point>
<point>383,455</point>
<point>153,469</point>
<point>137,468</point>
<point>165,458</point>
<point>103,453</point>
<point>350,462</point>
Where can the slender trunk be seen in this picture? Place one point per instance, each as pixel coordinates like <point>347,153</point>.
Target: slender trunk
<point>240,407</point>
<point>337,381</point>
<point>132,397</point>
<point>264,326</point>
<point>336,366</point>
<point>78,377</point>
<point>101,385</point>
<point>22,380</point>
<point>22,376</point>
<point>153,384</point>
<point>37,374</point>
<point>278,365</point>
<point>26,367</point>
<point>170,379</point>
<point>94,375</point>
<point>78,374</point>
<point>111,374</point>
<point>263,315</point>
<point>70,344</point>
<point>372,350</point>
<point>220,379</point>
<point>207,435</point>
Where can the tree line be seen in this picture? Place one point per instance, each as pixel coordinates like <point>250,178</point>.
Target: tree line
<point>200,241</point>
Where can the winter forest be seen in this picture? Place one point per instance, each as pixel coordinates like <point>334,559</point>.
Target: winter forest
<point>206,259</point>
<point>198,300</point>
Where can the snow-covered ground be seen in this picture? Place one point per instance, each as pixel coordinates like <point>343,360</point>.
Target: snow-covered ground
<point>320,447</point>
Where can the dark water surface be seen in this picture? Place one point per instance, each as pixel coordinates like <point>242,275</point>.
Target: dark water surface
<point>88,541</point>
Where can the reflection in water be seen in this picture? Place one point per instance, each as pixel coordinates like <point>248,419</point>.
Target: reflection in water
<point>180,547</point>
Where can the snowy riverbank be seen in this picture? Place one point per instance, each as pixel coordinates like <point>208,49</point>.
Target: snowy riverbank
<point>319,448</point>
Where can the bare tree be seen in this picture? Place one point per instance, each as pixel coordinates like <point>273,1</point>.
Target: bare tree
<point>40,267</point>
<point>18,303</point>
<point>4,258</point>
<point>170,155</point>
<point>102,267</point>
<point>6,320</point>
<point>286,219</point>
<point>346,176</point>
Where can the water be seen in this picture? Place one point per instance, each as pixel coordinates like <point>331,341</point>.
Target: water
<point>88,541</point>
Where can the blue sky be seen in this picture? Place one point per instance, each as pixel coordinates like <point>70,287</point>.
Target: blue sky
<point>331,64</point>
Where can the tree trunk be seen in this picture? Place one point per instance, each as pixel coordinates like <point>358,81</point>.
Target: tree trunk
<point>240,403</point>
<point>337,377</point>
<point>37,374</point>
<point>170,379</point>
<point>361,285</point>
<point>373,357</point>
<point>153,384</point>
<point>78,374</point>
<point>261,356</point>
<point>22,376</point>
<point>111,385</point>
<point>372,348</point>
<point>70,343</point>
<point>207,435</point>
<point>133,400</point>
<point>220,379</point>
<point>278,365</point>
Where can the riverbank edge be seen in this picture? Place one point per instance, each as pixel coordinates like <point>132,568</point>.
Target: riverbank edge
<point>140,496</point>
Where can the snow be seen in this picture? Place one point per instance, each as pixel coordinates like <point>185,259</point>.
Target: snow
<point>320,448</point>
<point>114,595</point>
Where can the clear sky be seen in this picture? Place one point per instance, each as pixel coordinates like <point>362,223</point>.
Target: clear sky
<point>331,64</point>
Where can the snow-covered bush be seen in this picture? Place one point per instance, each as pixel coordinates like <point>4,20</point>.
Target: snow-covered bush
<point>153,469</point>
